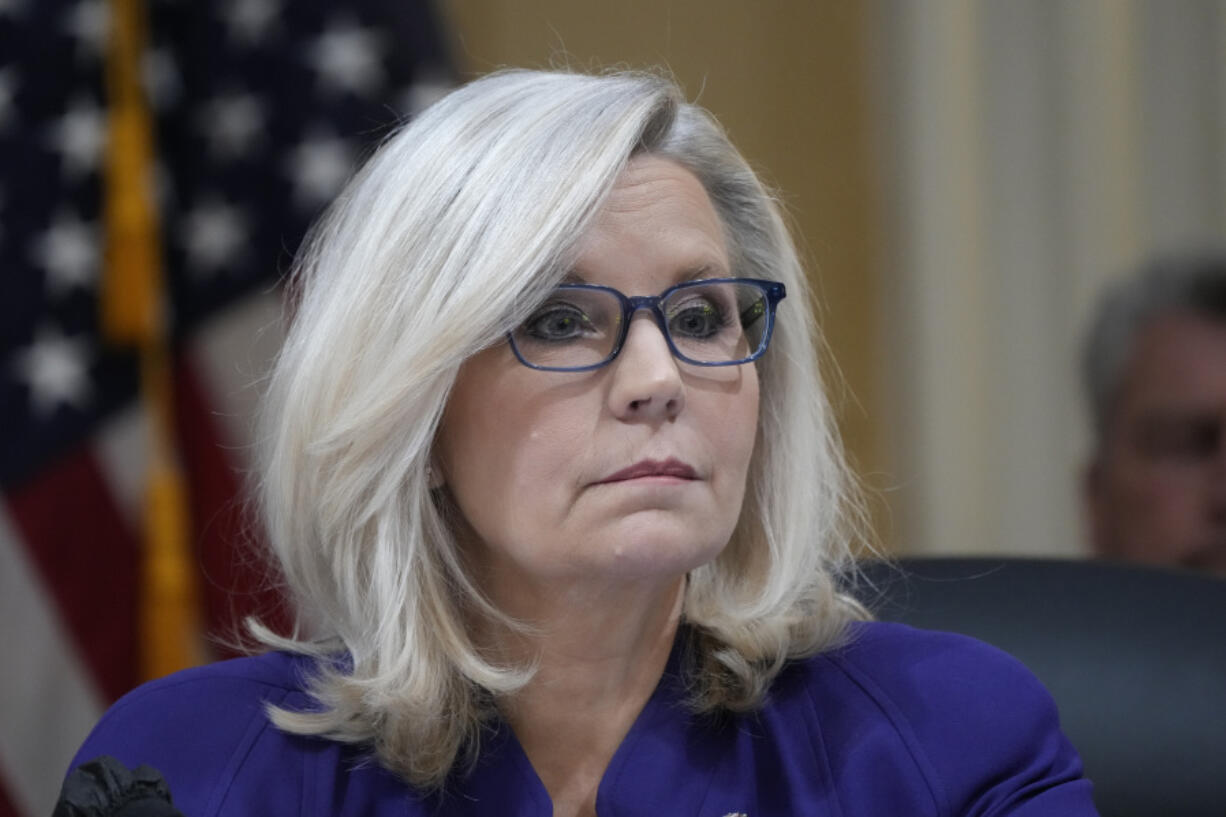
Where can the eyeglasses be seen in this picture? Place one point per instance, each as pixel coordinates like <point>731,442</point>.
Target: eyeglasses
<point>711,322</point>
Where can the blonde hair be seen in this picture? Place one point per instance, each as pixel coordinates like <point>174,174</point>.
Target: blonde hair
<point>445,240</point>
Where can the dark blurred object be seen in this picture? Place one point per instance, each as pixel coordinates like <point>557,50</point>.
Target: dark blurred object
<point>104,787</point>
<point>1135,658</point>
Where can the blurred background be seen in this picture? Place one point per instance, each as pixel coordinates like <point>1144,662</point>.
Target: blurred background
<point>963,176</point>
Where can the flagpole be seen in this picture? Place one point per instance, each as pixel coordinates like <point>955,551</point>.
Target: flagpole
<point>133,302</point>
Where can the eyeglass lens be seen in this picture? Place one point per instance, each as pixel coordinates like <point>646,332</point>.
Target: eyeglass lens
<point>719,322</point>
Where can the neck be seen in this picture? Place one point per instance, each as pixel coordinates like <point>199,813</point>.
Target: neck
<point>599,654</point>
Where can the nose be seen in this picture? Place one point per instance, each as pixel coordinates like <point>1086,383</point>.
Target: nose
<point>646,381</point>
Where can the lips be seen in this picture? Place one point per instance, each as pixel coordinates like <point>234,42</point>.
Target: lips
<point>670,467</point>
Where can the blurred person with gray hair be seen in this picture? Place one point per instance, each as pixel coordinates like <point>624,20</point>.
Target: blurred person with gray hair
<point>1154,367</point>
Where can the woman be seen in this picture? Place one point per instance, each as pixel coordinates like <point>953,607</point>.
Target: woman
<point>563,532</point>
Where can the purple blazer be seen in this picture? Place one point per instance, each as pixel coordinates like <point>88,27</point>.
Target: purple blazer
<point>898,722</point>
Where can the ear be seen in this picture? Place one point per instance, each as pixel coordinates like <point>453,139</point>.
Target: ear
<point>434,477</point>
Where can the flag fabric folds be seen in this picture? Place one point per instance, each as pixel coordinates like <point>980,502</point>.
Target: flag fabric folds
<point>256,111</point>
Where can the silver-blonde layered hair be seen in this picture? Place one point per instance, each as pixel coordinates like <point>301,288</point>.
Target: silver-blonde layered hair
<point>448,237</point>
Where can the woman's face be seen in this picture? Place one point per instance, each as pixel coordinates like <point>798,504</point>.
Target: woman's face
<point>537,461</point>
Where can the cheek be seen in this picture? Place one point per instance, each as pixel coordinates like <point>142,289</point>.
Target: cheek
<point>1177,492</point>
<point>1156,498</point>
<point>508,465</point>
<point>731,426</point>
<point>742,417</point>
<point>1157,482</point>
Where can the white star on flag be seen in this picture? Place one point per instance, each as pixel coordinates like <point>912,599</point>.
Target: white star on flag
<point>348,58</point>
<point>79,136</point>
<point>250,20</point>
<point>318,168</point>
<point>90,23</point>
<point>68,250</point>
<point>232,124</point>
<point>421,95</point>
<point>55,368</point>
<point>214,235</point>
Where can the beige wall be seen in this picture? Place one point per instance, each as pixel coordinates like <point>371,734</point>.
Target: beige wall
<point>788,78</point>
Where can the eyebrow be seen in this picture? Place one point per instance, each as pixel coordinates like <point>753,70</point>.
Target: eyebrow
<point>692,273</point>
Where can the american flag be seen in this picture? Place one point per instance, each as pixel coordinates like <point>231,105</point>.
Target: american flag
<point>262,110</point>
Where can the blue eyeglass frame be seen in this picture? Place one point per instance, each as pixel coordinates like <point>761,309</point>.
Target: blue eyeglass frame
<point>773,290</point>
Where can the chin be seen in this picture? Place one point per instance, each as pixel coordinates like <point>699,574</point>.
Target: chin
<point>662,557</point>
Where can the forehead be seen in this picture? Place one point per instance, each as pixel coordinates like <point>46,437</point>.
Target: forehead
<point>1179,360</point>
<point>656,227</point>
<point>653,182</point>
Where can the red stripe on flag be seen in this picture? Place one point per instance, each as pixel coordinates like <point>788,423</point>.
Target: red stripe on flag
<point>237,581</point>
<point>89,561</point>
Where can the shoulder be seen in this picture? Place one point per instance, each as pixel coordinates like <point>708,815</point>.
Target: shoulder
<point>200,727</point>
<point>214,700</point>
<point>267,671</point>
<point>968,724</point>
<point>923,668</point>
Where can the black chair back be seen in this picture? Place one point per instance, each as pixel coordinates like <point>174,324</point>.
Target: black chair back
<point>1135,658</point>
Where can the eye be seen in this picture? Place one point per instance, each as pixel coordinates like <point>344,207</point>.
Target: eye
<point>557,322</point>
<point>752,313</point>
<point>698,317</point>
